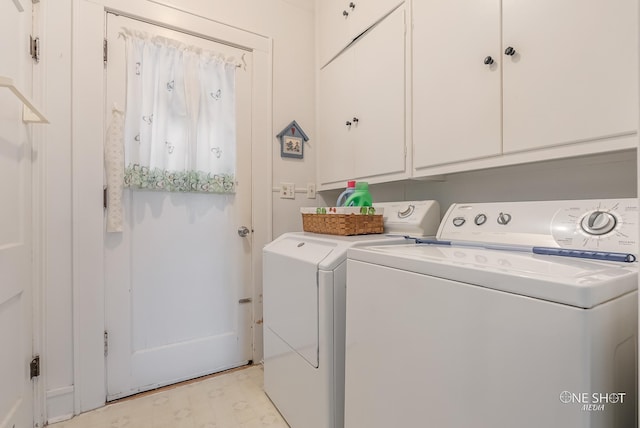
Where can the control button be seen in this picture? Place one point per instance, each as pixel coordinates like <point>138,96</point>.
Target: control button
<point>598,223</point>
<point>504,218</point>
<point>459,221</point>
<point>406,213</point>
<point>480,219</point>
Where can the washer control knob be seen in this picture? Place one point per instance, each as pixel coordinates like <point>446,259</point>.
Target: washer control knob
<point>599,223</point>
<point>480,219</point>
<point>504,218</point>
<point>459,221</point>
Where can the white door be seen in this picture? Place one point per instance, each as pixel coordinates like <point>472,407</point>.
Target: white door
<point>178,278</point>
<point>337,106</point>
<point>16,394</point>
<point>456,96</point>
<point>380,125</point>
<point>574,74</point>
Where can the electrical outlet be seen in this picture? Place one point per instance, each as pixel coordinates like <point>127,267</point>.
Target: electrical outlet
<point>287,191</point>
<point>311,190</point>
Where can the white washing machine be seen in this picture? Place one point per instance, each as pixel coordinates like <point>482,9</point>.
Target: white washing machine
<point>304,277</point>
<point>479,331</point>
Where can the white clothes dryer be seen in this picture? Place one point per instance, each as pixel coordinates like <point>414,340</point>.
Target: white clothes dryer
<point>484,329</point>
<point>304,278</point>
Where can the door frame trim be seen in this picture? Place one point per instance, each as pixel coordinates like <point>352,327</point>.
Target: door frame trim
<point>87,133</point>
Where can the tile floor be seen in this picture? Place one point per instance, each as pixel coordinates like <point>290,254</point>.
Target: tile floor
<point>235,399</point>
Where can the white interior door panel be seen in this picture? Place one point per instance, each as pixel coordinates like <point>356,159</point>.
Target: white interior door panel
<point>176,277</point>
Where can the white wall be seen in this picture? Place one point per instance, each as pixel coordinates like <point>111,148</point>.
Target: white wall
<point>288,24</point>
<point>602,176</point>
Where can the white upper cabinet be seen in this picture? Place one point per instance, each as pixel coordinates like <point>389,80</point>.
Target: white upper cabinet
<point>362,107</point>
<point>456,80</point>
<point>499,82</point>
<point>574,73</point>
<point>336,111</point>
<point>379,80</point>
<point>341,21</point>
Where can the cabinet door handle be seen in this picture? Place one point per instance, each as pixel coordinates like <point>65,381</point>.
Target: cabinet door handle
<point>356,120</point>
<point>345,13</point>
<point>488,60</point>
<point>348,123</point>
<point>510,51</point>
<point>352,5</point>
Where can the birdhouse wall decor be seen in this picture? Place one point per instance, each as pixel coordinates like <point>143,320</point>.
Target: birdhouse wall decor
<point>292,139</point>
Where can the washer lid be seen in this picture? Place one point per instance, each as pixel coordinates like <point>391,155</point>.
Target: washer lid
<point>569,281</point>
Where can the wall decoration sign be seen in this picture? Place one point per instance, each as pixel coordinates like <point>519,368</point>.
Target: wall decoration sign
<point>292,139</point>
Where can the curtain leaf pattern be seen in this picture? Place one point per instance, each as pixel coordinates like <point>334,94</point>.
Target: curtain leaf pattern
<point>180,124</point>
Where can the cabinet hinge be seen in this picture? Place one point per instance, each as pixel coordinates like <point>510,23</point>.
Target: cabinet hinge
<point>106,343</point>
<point>105,201</point>
<point>104,51</point>
<point>34,48</point>
<point>34,367</point>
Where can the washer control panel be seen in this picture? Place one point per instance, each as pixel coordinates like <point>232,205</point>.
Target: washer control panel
<point>600,224</point>
<point>608,225</point>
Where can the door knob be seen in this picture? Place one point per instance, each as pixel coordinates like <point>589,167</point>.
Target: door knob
<point>488,60</point>
<point>243,231</point>
<point>510,51</point>
<point>352,5</point>
<point>345,13</point>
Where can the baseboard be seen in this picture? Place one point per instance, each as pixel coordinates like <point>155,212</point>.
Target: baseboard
<point>59,404</point>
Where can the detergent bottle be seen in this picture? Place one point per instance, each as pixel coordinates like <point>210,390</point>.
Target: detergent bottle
<point>361,197</point>
<point>351,187</point>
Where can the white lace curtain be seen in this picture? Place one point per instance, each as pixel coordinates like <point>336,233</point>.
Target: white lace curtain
<point>180,120</point>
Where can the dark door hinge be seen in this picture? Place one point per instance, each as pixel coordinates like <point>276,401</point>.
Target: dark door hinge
<point>105,201</point>
<point>106,343</point>
<point>34,48</point>
<point>104,51</point>
<point>34,367</point>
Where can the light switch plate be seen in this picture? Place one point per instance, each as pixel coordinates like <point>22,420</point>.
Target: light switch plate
<point>287,191</point>
<point>311,190</point>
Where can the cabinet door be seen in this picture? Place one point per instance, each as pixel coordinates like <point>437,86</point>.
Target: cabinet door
<point>336,107</point>
<point>457,100</point>
<point>365,13</point>
<point>333,28</point>
<point>341,21</point>
<point>380,98</point>
<point>574,75</point>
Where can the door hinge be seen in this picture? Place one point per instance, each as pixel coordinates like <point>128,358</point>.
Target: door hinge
<point>104,51</point>
<point>106,343</point>
<point>34,48</point>
<point>34,367</point>
<point>104,198</point>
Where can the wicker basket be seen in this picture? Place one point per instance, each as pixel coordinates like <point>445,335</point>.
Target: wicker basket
<point>343,224</point>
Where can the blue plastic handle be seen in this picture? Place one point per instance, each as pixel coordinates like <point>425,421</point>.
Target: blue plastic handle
<point>585,254</point>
